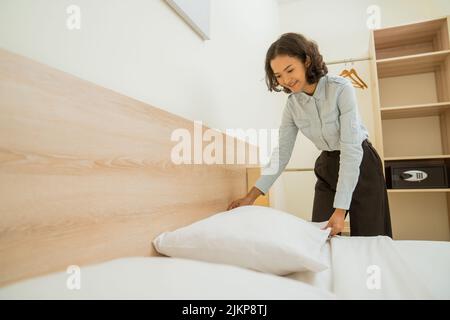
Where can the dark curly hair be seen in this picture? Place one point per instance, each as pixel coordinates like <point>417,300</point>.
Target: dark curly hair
<point>295,45</point>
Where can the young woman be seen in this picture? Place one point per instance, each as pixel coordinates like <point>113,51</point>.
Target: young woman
<point>324,108</point>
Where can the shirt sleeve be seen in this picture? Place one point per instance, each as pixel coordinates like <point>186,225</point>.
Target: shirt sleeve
<point>351,136</point>
<point>287,134</point>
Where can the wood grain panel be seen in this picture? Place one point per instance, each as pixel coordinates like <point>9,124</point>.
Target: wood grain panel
<point>86,173</point>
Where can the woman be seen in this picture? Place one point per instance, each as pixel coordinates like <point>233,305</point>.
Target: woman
<point>324,108</point>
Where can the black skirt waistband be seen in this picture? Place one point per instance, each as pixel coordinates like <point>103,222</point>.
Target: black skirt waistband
<point>337,153</point>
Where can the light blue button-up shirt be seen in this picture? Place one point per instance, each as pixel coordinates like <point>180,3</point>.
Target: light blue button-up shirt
<point>330,119</point>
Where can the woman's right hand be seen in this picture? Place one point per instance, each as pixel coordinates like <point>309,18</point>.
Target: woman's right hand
<point>246,201</point>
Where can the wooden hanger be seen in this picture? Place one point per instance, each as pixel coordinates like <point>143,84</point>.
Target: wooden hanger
<point>346,74</point>
<point>353,71</point>
<point>358,82</point>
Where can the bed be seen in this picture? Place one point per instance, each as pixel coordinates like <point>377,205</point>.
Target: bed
<point>164,278</point>
<point>86,180</point>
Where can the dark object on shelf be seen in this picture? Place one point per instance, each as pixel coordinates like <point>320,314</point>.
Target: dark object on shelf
<point>416,174</point>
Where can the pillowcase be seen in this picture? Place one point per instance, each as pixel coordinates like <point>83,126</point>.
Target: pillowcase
<point>254,237</point>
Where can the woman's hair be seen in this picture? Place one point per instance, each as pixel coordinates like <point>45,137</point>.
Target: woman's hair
<point>297,46</point>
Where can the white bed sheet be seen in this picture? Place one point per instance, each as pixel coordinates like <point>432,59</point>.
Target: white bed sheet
<point>372,268</point>
<point>164,278</point>
<point>323,279</point>
<point>428,260</point>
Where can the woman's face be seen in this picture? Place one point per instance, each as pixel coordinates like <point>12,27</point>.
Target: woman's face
<point>289,72</point>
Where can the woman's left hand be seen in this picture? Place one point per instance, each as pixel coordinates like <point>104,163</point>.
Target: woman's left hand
<point>336,222</point>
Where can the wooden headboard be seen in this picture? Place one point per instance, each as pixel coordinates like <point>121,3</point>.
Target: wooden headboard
<point>86,175</point>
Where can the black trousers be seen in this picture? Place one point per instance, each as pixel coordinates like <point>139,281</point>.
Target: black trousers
<point>369,208</point>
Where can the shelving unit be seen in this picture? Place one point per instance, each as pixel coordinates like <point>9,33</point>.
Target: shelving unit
<point>411,107</point>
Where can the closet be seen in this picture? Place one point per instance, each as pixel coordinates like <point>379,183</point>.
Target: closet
<point>410,69</point>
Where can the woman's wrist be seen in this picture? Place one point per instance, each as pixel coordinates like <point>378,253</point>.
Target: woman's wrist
<point>254,193</point>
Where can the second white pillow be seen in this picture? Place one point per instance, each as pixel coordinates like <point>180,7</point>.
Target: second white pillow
<point>254,237</point>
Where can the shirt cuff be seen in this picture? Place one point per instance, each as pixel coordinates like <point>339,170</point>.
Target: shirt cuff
<point>342,200</point>
<point>260,185</point>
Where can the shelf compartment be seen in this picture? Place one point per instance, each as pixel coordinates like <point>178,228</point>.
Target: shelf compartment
<point>411,39</point>
<point>415,111</point>
<point>415,137</point>
<point>414,64</point>
<point>420,215</point>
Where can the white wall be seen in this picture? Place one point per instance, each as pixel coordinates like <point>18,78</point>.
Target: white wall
<point>143,49</point>
<point>339,27</point>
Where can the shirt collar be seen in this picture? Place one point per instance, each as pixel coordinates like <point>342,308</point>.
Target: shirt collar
<point>319,93</point>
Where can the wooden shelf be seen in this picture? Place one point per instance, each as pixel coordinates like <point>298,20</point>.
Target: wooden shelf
<point>408,39</point>
<point>417,190</point>
<point>417,157</point>
<point>414,64</point>
<point>415,111</point>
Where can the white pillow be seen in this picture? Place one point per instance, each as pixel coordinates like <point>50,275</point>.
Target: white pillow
<point>254,237</point>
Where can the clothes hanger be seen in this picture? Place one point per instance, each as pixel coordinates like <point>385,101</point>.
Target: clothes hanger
<point>347,74</point>
<point>358,82</point>
<point>353,71</point>
<point>361,83</point>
